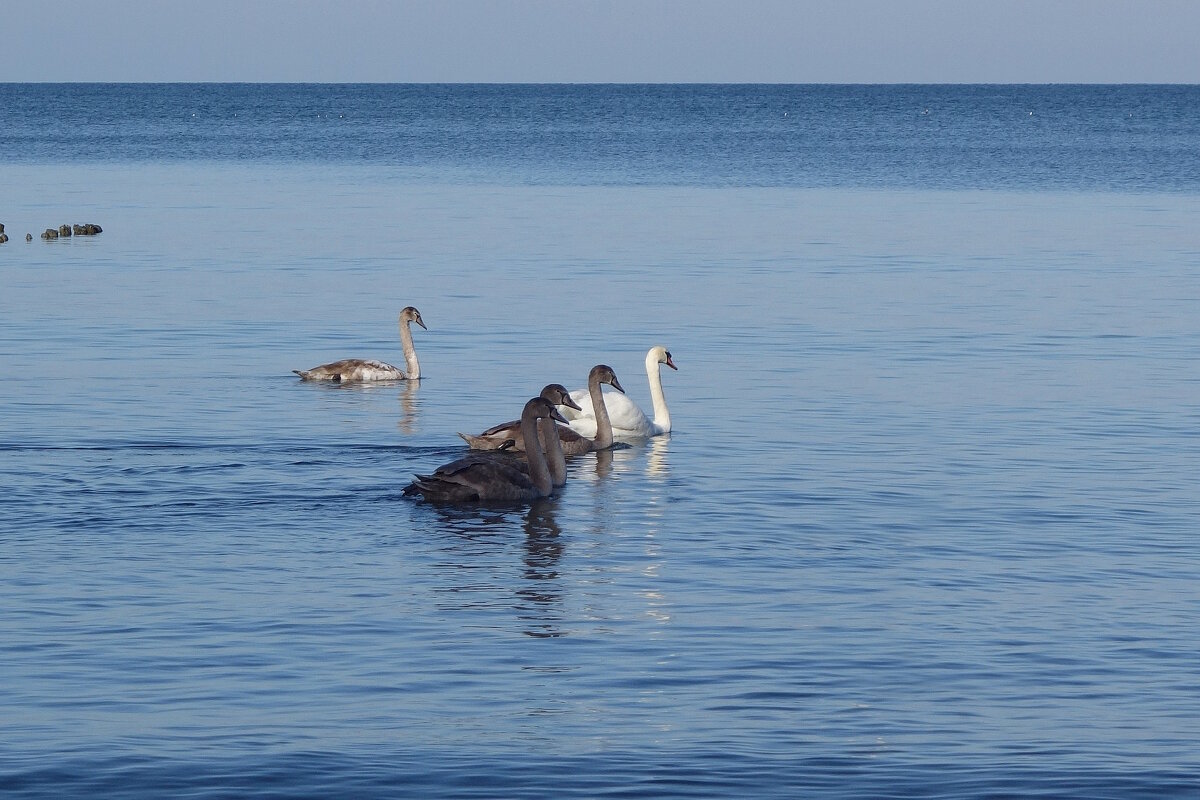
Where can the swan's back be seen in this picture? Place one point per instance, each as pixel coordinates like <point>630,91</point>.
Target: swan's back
<point>353,370</point>
<point>507,435</point>
<point>627,419</point>
<point>475,479</point>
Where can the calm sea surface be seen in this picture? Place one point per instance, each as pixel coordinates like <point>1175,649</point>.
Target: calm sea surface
<point>927,525</point>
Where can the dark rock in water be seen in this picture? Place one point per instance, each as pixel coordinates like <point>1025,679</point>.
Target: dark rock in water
<point>90,229</point>
<point>29,237</point>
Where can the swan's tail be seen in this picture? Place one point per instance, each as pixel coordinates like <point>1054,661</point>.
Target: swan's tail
<point>487,442</point>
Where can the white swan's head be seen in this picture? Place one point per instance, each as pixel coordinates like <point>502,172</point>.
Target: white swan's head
<point>410,314</point>
<point>659,355</point>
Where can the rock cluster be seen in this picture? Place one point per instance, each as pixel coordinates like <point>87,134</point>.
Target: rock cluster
<point>89,229</point>
<point>69,230</point>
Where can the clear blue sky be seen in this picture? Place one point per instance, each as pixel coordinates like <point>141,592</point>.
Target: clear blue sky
<point>831,41</point>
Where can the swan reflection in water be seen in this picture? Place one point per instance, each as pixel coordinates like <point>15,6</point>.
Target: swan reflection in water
<point>657,465</point>
<point>535,590</point>
<point>478,566</point>
<point>604,463</point>
<point>408,407</point>
<point>406,396</point>
<point>623,458</point>
<point>656,515</point>
<point>540,597</point>
<point>595,468</point>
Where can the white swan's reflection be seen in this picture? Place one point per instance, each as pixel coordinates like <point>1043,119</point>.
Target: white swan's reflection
<point>658,470</point>
<point>657,465</point>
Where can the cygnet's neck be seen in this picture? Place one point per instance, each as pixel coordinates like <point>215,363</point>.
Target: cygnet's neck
<point>604,431</point>
<point>552,445</point>
<point>412,366</point>
<point>539,472</point>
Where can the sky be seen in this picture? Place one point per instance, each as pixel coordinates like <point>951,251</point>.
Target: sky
<point>602,41</point>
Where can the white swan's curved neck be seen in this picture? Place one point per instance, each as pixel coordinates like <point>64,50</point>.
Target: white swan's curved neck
<point>662,417</point>
<point>412,366</point>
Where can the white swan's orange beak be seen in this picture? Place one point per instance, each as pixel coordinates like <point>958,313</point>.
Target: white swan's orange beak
<point>670,363</point>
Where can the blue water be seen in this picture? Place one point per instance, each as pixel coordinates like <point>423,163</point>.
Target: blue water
<point>925,527</point>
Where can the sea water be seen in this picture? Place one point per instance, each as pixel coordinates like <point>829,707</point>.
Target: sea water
<point>925,525</point>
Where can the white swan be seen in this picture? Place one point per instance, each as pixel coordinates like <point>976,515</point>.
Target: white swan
<point>628,421</point>
<point>359,370</point>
